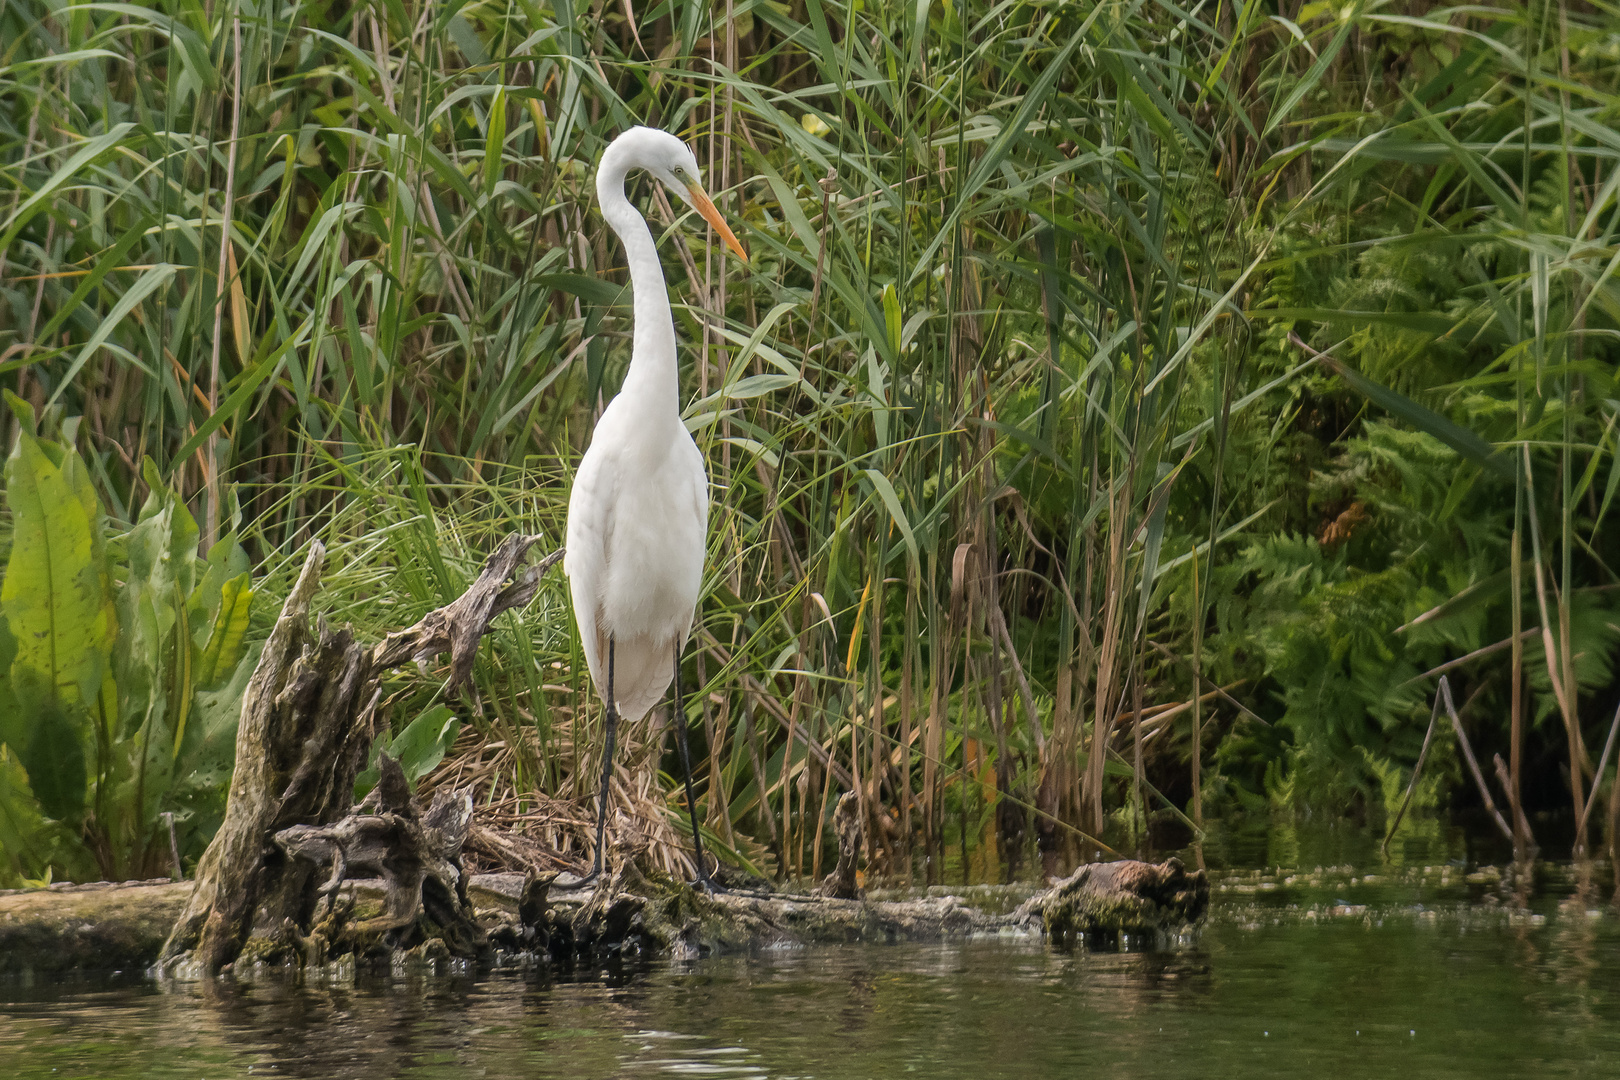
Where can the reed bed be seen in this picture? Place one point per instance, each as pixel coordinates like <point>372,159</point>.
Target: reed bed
<point>1126,413</point>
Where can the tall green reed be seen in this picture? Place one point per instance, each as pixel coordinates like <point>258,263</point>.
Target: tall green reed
<point>985,415</point>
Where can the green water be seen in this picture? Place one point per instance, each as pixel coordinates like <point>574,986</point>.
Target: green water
<point>1414,973</point>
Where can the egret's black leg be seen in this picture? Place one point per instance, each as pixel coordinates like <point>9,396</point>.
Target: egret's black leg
<point>607,768</point>
<point>703,881</point>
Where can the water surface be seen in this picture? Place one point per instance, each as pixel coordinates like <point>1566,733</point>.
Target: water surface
<point>1408,973</point>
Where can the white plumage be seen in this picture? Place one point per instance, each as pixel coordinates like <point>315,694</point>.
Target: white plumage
<point>637,521</point>
<point>639,511</point>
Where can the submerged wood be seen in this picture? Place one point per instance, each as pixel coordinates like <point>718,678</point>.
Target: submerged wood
<point>1100,905</point>
<point>309,715</point>
<point>552,918</point>
<point>1102,901</point>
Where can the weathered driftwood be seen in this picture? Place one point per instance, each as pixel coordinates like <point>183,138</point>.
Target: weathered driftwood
<point>504,583</point>
<point>308,719</point>
<point>299,742</point>
<point>416,854</point>
<point>840,884</point>
<point>551,916</point>
<point>1101,905</point>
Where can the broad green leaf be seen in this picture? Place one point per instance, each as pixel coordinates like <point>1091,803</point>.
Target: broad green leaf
<point>55,595</point>
<point>23,411</point>
<point>30,843</point>
<point>226,560</point>
<point>11,716</point>
<point>54,761</point>
<point>225,643</point>
<point>154,653</point>
<point>202,772</point>
<point>425,741</point>
<point>419,748</point>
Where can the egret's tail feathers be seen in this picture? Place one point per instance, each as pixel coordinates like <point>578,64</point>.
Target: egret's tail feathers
<point>642,671</point>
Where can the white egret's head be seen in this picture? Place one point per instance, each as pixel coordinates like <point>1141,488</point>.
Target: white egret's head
<point>674,164</point>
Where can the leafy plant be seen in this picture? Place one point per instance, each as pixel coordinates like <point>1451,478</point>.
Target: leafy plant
<point>418,747</point>
<point>1086,355</point>
<point>125,656</point>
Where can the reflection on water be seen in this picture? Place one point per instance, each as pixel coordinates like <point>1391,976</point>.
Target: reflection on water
<point>1426,966</point>
<point>1410,979</point>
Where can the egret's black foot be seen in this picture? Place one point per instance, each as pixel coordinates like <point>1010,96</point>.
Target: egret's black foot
<point>709,887</point>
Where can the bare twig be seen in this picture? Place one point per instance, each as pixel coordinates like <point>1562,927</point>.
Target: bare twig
<point>1451,665</point>
<point>1213,688</point>
<point>1473,765</point>
<point>1417,771</point>
<point>1597,780</point>
<point>457,627</point>
<point>1505,778</point>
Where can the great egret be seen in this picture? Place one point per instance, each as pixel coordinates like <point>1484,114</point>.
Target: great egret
<point>639,512</point>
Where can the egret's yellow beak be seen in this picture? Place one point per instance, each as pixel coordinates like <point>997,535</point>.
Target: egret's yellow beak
<point>705,206</point>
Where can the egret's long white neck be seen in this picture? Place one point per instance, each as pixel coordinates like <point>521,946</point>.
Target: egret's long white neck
<point>653,381</point>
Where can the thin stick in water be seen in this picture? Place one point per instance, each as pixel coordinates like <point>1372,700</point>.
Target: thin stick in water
<point>1473,765</point>
<point>1417,771</point>
<point>1597,780</point>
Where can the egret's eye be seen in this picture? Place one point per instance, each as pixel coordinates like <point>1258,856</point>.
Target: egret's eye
<point>680,172</point>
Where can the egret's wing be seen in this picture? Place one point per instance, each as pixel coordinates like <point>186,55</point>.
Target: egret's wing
<point>590,513</point>
<point>697,481</point>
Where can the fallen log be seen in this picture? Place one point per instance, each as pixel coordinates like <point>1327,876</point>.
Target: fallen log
<point>553,918</point>
<point>98,926</point>
<point>1103,905</point>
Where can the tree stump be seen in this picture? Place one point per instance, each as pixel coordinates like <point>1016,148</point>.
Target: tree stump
<point>309,715</point>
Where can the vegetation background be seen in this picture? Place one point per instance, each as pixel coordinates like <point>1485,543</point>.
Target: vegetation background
<point>1128,412</point>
